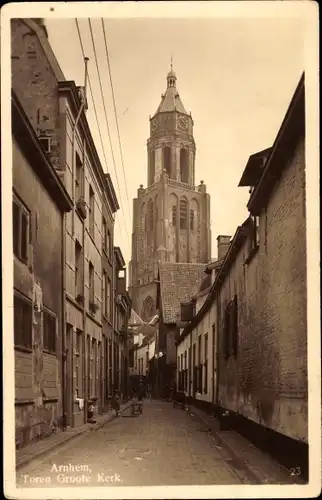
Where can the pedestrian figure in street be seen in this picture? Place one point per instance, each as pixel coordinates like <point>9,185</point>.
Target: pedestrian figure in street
<point>116,402</point>
<point>136,401</point>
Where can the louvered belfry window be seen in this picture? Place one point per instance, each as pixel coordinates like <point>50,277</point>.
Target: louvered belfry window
<point>183,213</point>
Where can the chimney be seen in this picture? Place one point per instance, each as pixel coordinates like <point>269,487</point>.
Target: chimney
<point>223,243</point>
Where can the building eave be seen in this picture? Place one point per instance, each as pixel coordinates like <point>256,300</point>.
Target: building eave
<point>119,256</point>
<point>111,193</point>
<point>254,167</point>
<point>29,143</point>
<point>291,130</point>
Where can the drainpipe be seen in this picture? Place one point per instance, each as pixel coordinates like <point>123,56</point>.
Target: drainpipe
<point>81,109</point>
<point>218,326</point>
<point>85,379</point>
<point>64,318</point>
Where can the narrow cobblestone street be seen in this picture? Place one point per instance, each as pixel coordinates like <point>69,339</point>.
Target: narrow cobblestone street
<point>163,446</point>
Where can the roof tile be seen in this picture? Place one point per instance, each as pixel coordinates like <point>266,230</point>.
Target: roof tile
<point>178,283</point>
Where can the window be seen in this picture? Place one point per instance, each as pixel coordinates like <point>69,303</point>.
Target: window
<point>104,293</point>
<point>183,213</point>
<point>22,311</point>
<point>110,361</point>
<point>91,282</point>
<point>21,230</point>
<point>152,166</point>
<point>79,178</point>
<point>50,326</point>
<point>104,236</point>
<point>184,166</point>
<point>192,220</point>
<point>234,326</point>
<point>174,215</point>
<point>108,304</point>
<point>150,216</point>
<point>91,210</point>
<point>167,160</point>
<point>78,363</point>
<point>206,364</point>
<point>99,369</point>
<point>230,330</point>
<point>199,366</point>
<point>93,367</point>
<point>109,244</point>
<point>78,270</point>
<point>45,142</point>
<point>254,242</point>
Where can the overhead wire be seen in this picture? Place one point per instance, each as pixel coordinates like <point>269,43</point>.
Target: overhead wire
<point>105,113</point>
<point>98,124</point>
<point>114,106</point>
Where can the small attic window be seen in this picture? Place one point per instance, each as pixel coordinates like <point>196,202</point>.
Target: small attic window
<point>45,141</point>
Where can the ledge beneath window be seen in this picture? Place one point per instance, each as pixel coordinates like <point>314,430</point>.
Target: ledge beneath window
<point>51,400</point>
<point>21,348</point>
<point>50,353</point>
<point>251,255</point>
<point>22,402</point>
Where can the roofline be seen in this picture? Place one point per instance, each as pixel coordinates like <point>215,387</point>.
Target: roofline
<point>37,29</point>
<point>215,264</point>
<point>236,243</point>
<point>69,88</point>
<point>251,159</point>
<point>113,197</point>
<point>119,256</point>
<point>293,122</point>
<point>30,145</point>
<point>160,263</point>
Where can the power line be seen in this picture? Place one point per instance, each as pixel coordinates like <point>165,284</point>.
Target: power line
<point>96,116</point>
<point>114,106</point>
<point>105,112</point>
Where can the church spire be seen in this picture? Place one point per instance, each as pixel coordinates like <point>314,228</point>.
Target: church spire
<point>170,99</point>
<point>171,77</point>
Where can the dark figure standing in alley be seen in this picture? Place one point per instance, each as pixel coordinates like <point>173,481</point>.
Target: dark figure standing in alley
<point>137,396</point>
<point>116,402</point>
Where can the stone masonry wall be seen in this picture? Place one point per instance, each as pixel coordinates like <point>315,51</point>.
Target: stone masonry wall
<point>267,382</point>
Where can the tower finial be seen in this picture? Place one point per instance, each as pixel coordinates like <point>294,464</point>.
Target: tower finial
<point>171,63</point>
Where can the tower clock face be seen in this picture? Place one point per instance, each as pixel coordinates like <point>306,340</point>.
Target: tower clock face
<point>154,124</point>
<point>183,123</point>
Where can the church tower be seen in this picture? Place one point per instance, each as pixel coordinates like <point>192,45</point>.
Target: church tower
<point>171,216</point>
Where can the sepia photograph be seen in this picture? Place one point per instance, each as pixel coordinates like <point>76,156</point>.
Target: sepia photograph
<point>160,226</point>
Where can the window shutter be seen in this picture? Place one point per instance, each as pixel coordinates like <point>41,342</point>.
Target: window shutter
<point>24,236</point>
<point>31,257</point>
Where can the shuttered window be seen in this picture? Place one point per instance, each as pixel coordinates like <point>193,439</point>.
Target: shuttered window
<point>22,322</point>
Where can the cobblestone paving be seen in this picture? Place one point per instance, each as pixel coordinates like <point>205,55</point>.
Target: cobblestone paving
<point>163,446</point>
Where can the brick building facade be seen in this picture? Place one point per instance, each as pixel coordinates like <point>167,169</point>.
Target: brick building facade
<point>264,377</point>
<point>171,217</point>
<point>257,304</point>
<point>57,110</point>
<point>39,204</point>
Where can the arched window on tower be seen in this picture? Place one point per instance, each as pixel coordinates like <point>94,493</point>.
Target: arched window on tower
<point>192,220</point>
<point>155,212</point>
<point>167,160</point>
<point>183,213</point>
<point>174,215</point>
<point>150,216</point>
<point>152,166</point>
<point>184,166</point>
<point>148,309</point>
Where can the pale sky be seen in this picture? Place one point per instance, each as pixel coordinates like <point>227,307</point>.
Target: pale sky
<point>236,76</point>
